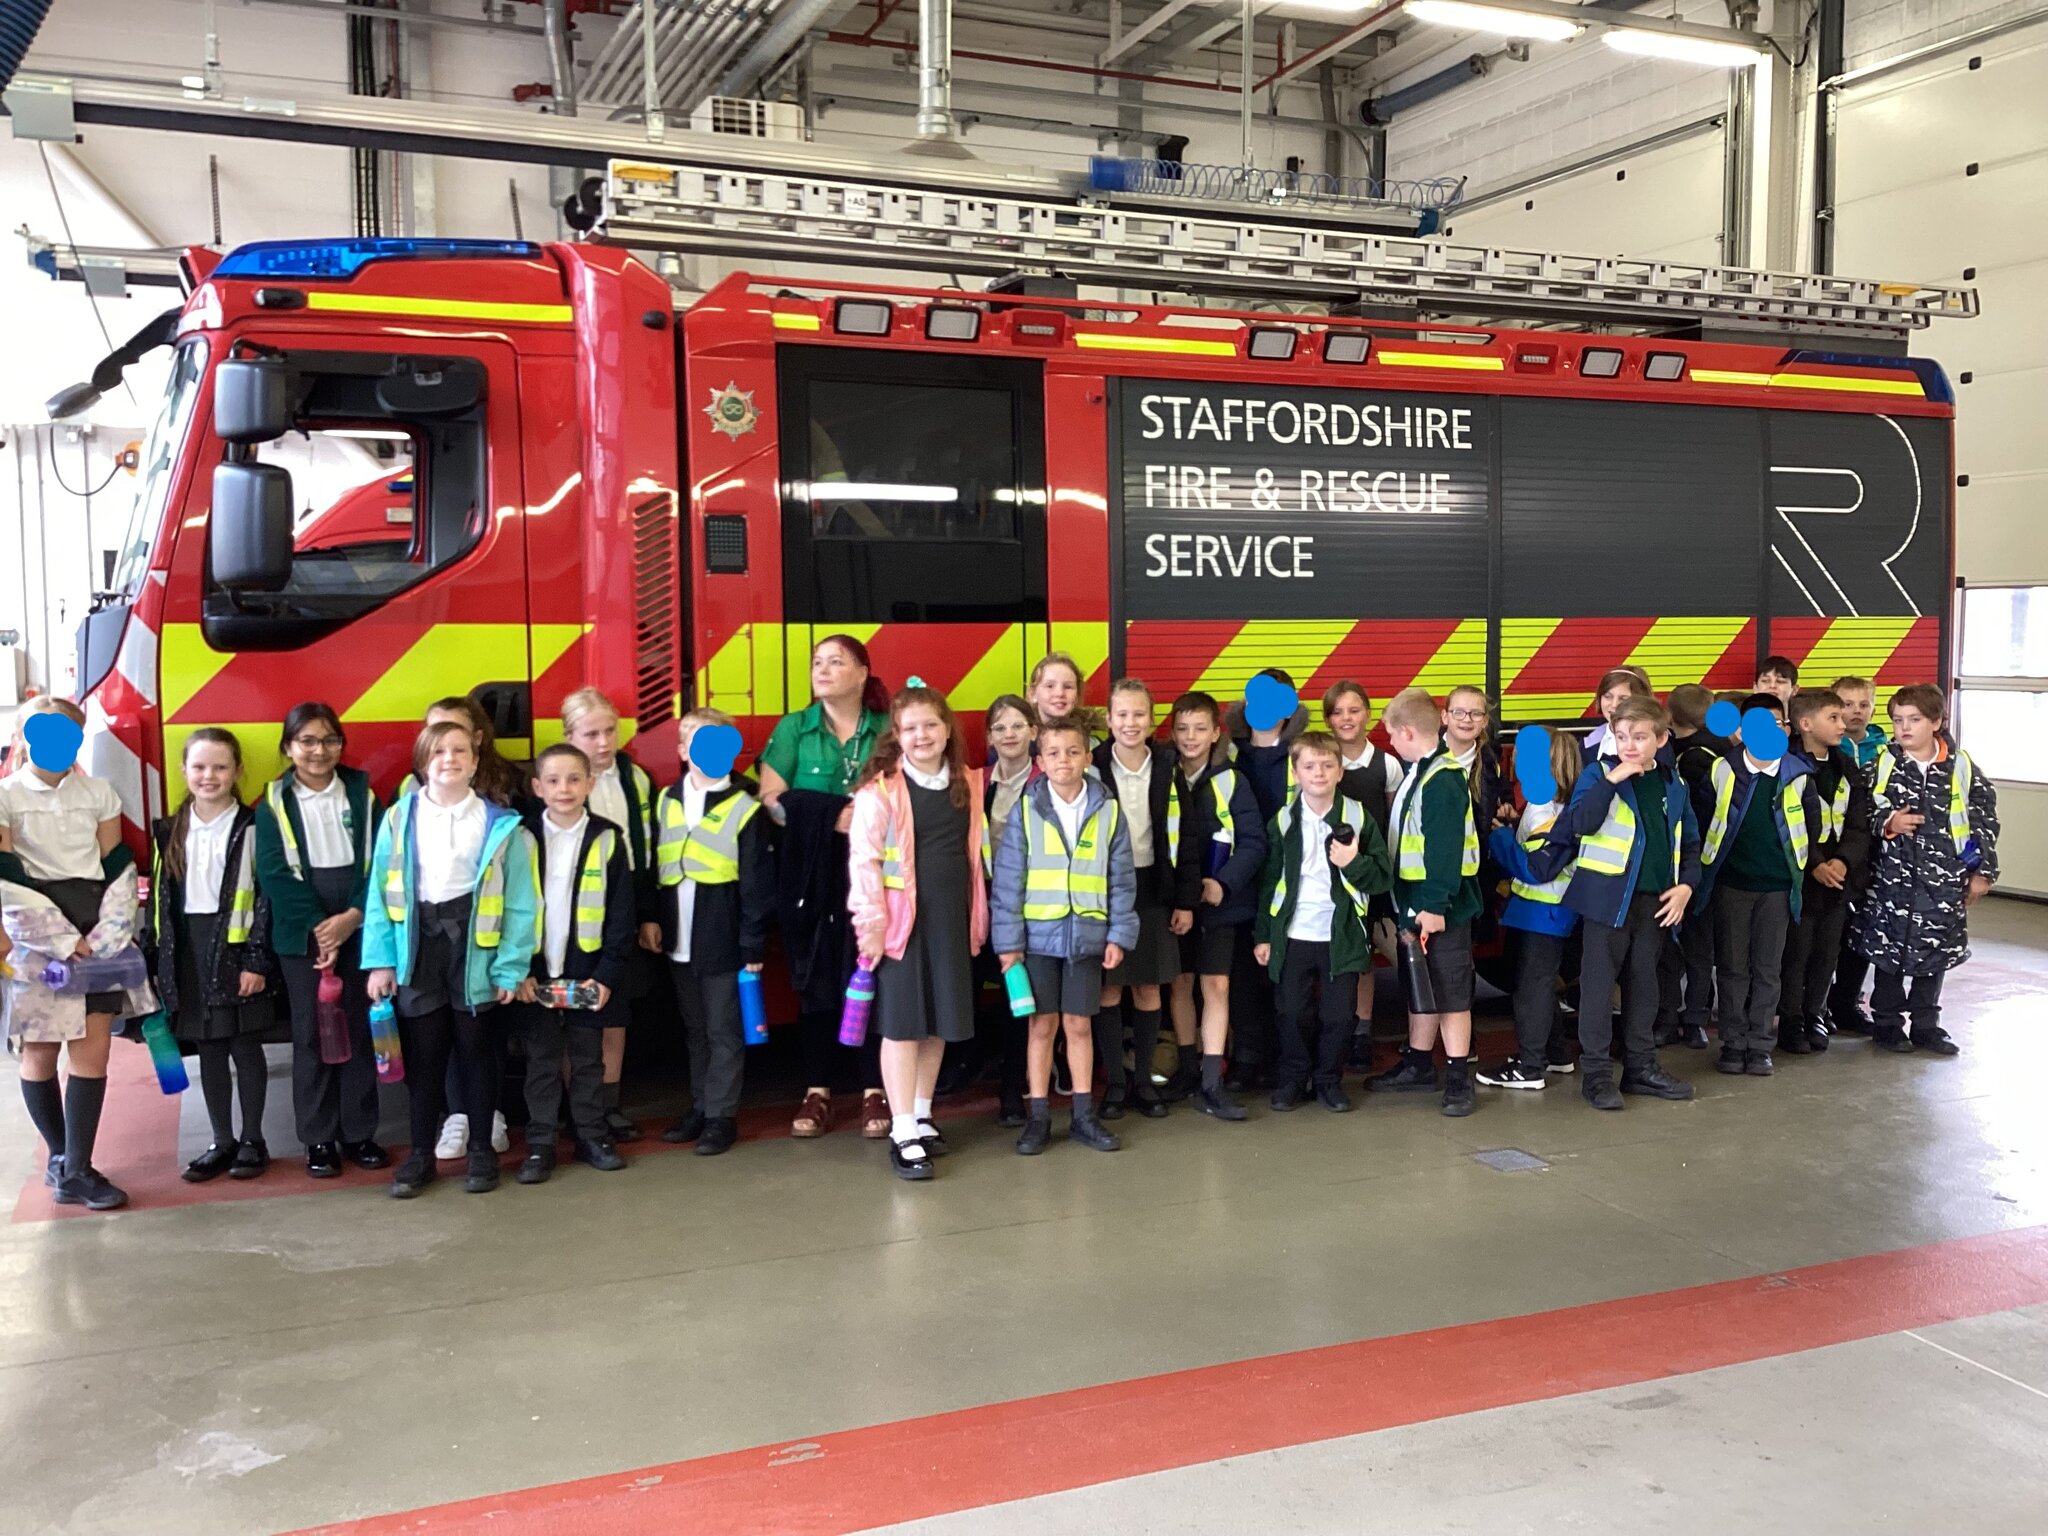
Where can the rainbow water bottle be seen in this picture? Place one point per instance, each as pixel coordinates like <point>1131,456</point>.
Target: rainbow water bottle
<point>754,1012</point>
<point>1017,982</point>
<point>860,1001</point>
<point>384,1041</point>
<point>164,1054</point>
<point>331,1020</point>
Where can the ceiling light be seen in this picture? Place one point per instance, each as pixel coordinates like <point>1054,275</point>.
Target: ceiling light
<point>1498,20</point>
<point>1680,47</point>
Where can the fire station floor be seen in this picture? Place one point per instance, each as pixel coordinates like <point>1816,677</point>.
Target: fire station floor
<point>1817,1303</point>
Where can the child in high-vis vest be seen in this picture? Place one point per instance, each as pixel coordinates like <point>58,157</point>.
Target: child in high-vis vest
<point>1938,817</point>
<point>586,920</point>
<point>210,952</point>
<point>1215,843</point>
<point>1436,896</point>
<point>1325,861</point>
<point>1629,836</point>
<point>1138,771</point>
<point>1063,904</point>
<point>711,855</point>
<point>918,899</point>
<point>1540,924</point>
<point>449,937</point>
<point>1759,813</point>
<point>1837,869</point>
<point>1371,777</point>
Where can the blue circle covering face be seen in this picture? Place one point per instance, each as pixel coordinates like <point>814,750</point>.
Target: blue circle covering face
<point>1532,765</point>
<point>714,749</point>
<point>1762,737</point>
<point>53,741</point>
<point>1723,718</point>
<point>1268,702</point>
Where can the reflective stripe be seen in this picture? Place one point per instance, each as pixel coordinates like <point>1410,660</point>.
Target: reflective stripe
<point>1792,811</point>
<point>1059,882</point>
<point>1791,814</point>
<point>242,905</point>
<point>1723,777</point>
<point>588,928</point>
<point>487,923</point>
<point>1352,814</point>
<point>1606,851</point>
<point>1961,774</point>
<point>708,853</point>
<point>1550,892</point>
<point>1224,821</point>
<point>1834,814</point>
<point>1412,863</point>
<point>487,917</point>
<point>273,794</point>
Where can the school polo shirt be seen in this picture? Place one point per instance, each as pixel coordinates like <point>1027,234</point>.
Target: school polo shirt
<point>56,826</point>
<point>804,751</point>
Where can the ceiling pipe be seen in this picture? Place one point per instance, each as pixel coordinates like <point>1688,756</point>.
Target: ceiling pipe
<point>897,45</point>
<point>561,73</point>
<point>936,132</point>
<point>783,34</point>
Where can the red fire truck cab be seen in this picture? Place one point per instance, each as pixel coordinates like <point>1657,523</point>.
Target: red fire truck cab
<point>674,505</point>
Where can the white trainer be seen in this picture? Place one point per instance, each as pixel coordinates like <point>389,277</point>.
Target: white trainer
<point>454,1142</point>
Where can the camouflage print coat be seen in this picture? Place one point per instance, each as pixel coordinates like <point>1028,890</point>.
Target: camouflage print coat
<point>1912,919</point>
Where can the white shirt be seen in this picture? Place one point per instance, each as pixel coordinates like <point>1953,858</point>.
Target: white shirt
<point>694,797</point>
<point>608,799</point>
<point>1388,761</point>
<point>1770,768</point>
<point>1467,758</point>
<point>1397,815</point>
<point>925,780</point>
<point>558,886</point>
<point>206,860</point>
<point>324,813</point>
<point>1070,813</point>
<point>56,827</point>
<point>449,842</point>
<point>1134,797</point>
<point>1313,908</point>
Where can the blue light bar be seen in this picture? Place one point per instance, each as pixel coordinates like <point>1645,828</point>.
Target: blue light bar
<point>343,259</point>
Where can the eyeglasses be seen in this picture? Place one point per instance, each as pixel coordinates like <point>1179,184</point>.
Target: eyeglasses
<point>1467,715</point>
<point>318,743</point>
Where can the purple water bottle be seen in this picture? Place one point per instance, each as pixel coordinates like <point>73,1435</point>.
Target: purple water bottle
<point>860,1001</point>
<point>331,1020</point>
<point>384,1040</point>
<point>754,1012</point>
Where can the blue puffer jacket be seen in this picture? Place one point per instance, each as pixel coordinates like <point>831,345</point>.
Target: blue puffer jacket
<point>1601,898</point>
<point>1520,912</point>
<point>1073,937</point>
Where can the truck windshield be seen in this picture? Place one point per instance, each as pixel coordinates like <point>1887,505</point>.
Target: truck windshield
<point>159,456</point>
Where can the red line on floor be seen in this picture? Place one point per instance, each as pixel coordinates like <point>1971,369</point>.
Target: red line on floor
<point>918,1468</point>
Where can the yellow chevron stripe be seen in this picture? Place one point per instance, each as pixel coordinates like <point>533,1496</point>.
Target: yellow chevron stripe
<point>1087,641</point>
<point>1297,646</point>
<point>1859,646</point>
<point>726,681</point>
<point>1683,650</point>
<point>186,664</point>
<point>438,309</point>
<point>449,658</point>
<point>1545,706</point>
<point>998,670</point>
<point>1459,661</point>
<point>1520,640</point>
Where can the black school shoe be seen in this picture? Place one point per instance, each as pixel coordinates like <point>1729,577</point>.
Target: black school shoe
<point>689,1128</point>
<point>1148,1103</point>
<point>482,1175</point>
<point>366,1154</point>
<point>539,1166</point>
<point>1935,1041</point>
<point>1649,1078</point>
<point>933,1138</point>
<point>1459,1100</point>
<point>323,1160</point>
<point>1112,1105</point>
<point>1816,1029</point>
<point>721,1132</point>
<point>915,1169</point>
<point>252,1158</point>
<point>53,1171</point>
<point>1730,1060</point>
<point>600,1154</point>
<point>620,1127</point>
<point>1286,1097</point>
<point>91,1189</point>
<point>1890,1037</point>
<point>1218,1102</point>
<point>1037,1132</point>
<point>1598,1088</point>
<point>1010,1111</point>
<point>414,1175</point>
<point>1693,1036</point>
<point>1333,1098</point>
<point>1089,1132</point>
<point>1667,1032</point>
<point>210,1164</point>
<point>1415,1072</point>
<point>1792,1038</point>
<point>1512,1074</point>
<point>1758,1064</point>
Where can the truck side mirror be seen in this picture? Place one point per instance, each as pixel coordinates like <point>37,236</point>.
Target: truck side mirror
<point>251,400</point>
<point>250,527</point>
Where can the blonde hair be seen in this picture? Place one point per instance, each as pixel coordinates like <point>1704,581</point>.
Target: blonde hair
<point>429,740</point>
<point>1315,741</point>
<point>1413,708</point>
<point>49,704</point>
<point>704,714</point>
<point>1645,709</point>
<point>1135,685</point>
<point>1567,762</point>
<point>1059,659</point>
<point>586,701</point>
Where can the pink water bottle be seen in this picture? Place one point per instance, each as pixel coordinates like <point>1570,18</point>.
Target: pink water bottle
<point>860,1001</point>
<point>332,1021</point>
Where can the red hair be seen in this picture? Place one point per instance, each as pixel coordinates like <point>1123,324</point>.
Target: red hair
<point>874,694</point>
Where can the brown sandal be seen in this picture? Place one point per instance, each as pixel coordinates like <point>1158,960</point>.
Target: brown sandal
<point>813,1117</point>
<point>874,1114</point>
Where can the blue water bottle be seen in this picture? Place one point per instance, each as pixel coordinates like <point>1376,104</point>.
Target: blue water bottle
<point>753,1012</point>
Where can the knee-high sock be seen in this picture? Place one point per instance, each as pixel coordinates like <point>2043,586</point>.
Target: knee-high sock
<point>45,1103</point>
<point>216,1082</point>
<point>83,1099</point>
<point>1109,1048</point>
<point>252,1080</point>
<point>1144,1041</point>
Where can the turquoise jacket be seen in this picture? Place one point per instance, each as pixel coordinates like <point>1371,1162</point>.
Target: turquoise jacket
<point>390,942</point>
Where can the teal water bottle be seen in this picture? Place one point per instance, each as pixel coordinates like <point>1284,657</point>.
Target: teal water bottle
<point>1017,982</point>
<point>164,1054</point>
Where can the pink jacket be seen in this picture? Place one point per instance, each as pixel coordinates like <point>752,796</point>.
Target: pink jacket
<point>882,916</point>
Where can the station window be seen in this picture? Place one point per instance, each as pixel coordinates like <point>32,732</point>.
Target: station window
<point>2002,698</point>
<point>914,489</point>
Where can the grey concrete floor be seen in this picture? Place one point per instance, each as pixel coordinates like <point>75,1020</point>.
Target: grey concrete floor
<point>267,1364</point>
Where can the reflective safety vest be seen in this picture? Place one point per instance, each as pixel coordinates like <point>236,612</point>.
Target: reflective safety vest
<point>1606,851</point>
<point>486,918</point>
<point>1790,808</point>
<point>1961,776</point>
<point>590,894</point>
<point>1059,881</point>
<point>1411,864</point>
<point>242,900</point>
<point>1220,782</point>
<point>1834,812</point>
<point>1550,892</point>
<point>709,852</point>
<point>1352,814</point>
<point>273,796</point>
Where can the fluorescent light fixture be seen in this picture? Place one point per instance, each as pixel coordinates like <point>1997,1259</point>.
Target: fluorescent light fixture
<point>1349,347</point>
<point>952,322</point>
<point>1664,367</point>
<point>1600,363</point>
<point>1501,21</point>
<point>862,317</point>
<point>1272,345</point>
<point>880,490</point>
<point>1678,47</point>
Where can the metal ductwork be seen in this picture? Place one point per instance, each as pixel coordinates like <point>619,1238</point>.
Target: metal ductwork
<point>937,134</point>
<point>561,75</point>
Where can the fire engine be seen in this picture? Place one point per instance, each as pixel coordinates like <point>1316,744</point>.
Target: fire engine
<point>1681,468</point>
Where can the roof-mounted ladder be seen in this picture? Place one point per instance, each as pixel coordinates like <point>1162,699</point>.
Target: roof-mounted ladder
<point>796,216</point>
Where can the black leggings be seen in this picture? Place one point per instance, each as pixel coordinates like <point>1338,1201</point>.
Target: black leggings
<point>251,1074</point>
<point>825,1060</point>
<point>429,1040</point>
